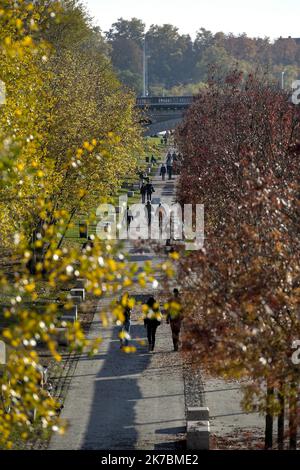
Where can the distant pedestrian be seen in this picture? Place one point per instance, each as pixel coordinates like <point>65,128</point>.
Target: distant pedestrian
<point>141,178</point>
<point>149,212</point>
<point>174,317</point>
<point>88,245</point>
<point>170,170</point>
<point>129,218</point>
<point>125,330</point>
<point>149,191</point>
<point>143,191</point>
<point>161,213</point>
<point>163,171</point>
<point>152,321</point>
<point>153,160</point>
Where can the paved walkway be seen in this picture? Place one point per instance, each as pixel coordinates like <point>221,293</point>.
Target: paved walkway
<point>119,401</point>
<point>228,422</point>
<point>127,402</point>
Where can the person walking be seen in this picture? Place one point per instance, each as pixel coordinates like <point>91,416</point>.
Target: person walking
<point>143,191</point>
<point>163,171</point>
<point>149,191</point>
<point>141,178</point>
<point>161,214</point>
<point>149,212</point>
<point>152,321</point>
<point>125,330</point>
<point>129,218</point>
<point>170,170</point>
<point>174,317</point>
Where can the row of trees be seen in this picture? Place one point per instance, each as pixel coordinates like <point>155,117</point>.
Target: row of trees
<point>65,97</point>
<point>175,59</point>
<point>240,142</point>
<point>68,138</point>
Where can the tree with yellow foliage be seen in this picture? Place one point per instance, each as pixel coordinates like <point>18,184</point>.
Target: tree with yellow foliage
<point>68,137</point>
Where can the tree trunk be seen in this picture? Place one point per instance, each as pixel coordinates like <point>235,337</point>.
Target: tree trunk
<point>280,429</point>
<point>269,421</point>
<point>293,417</point>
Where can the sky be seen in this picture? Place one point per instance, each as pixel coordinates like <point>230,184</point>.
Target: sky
<point>272,18</point>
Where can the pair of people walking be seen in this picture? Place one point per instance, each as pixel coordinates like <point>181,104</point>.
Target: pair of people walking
<point>166,170</point>
<point>146,191</point>
<point>152,320</point>
<point>174,318</point>
<point>160,213</point>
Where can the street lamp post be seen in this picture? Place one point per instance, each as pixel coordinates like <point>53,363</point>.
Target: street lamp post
<point>145,68</point>
<point>282,79</point>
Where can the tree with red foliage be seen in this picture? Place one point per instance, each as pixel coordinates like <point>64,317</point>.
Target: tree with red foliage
<point>240,147</point>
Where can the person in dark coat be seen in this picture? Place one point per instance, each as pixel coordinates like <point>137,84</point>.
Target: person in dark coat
<point>143,191</point>
<point>152,321</point>
<point>149,212</point>
<point>125,330</point>
<point>170,170</point>
<point>129,218</point>
<point>161,214</point>
<point>141,178</point>
<point>149,191</point>
<point>174,317</point>
<point>163,171</point>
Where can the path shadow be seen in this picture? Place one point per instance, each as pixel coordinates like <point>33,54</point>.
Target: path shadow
<point>112,415</point>
<point>176,446</point>
<point>176,430</point>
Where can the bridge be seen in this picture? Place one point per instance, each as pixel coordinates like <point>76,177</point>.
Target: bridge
<point>162,113</point>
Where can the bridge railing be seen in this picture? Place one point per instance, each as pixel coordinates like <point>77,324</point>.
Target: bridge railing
<point>164,101</point>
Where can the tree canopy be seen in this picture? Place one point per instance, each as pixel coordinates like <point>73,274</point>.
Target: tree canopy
<point>175,59</point>
<point>240,146</point>
<point>69,136</point>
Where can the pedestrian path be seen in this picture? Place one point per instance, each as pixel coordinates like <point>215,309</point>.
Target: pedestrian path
<point>118,401</point>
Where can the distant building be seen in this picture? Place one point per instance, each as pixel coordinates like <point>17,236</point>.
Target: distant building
<point>297,40</point>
